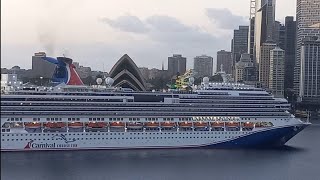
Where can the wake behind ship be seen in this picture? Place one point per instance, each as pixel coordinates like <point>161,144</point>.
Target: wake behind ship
<point>71,116</point>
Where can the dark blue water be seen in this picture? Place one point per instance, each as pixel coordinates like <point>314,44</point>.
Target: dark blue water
<point>300,160</point>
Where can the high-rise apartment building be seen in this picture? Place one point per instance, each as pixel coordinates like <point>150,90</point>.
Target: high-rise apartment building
<point>264,24</point>
<point>264,65</point>
<point>308,20</point>
<point>177,64</point>
<point>224,60</point>
<point>290,51</point>
<point>40,67</point>
<point>276,76</point>
<point>203,66</point>
<point>309,90</point>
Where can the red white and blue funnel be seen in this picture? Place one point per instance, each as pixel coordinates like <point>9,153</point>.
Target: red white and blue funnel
<point>65,71</point>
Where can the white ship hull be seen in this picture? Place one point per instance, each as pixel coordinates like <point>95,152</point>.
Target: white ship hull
<point>267,137</point>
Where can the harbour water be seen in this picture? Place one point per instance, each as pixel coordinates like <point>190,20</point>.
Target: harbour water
<point>299,160</point>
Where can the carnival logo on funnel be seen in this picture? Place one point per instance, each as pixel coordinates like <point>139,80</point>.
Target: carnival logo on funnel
<point>66,144</point>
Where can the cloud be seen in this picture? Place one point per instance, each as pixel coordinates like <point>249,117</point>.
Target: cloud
<point>224,19</point>
<point>163,29</point>
<point>166,24</point>
<point>171,31</point>
<point>127,23</point>
<point>166,36</point>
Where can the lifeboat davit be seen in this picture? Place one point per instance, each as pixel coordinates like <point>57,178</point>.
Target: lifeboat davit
<point>97,124</point>
<point>32,125</point>
<point>185,124</point>
<point>75,125</point>
<point>168,124</point>
<point>232,124</point>
<point>151,124</point>
<point>135,125</point>
<point>55,124</point>
<point>200,124</point>
<point>117,124</point>
<point>217,124</point>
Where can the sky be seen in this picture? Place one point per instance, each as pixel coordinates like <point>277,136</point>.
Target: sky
<point>97,33</point>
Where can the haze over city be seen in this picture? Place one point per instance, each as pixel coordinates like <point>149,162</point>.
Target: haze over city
<point>97,33</point>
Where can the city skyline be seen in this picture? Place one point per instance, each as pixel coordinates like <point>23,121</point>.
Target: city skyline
<point>102,34</point>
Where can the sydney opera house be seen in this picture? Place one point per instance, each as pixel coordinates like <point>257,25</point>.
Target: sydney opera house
<point>126,74</point>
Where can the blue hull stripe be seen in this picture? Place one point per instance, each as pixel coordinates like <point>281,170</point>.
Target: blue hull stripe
<point>262,139</point>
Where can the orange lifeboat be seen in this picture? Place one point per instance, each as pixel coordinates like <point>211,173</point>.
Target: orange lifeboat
<point>185,124</point>
<point>200,124</point>
<point>135,125</point>
<point>97,124</point>
<point>167,124</point>
<point>117,124</point>
<point>55,124</point>
<point>248,125</point>
<point>217,124</point>
<point>32,125</point>
<point>151,124</point>
<point>75,124</point>
<point>232,124</point>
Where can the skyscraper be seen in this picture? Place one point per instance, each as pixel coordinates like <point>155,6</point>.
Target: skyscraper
<point>279,34</point>
<point>308,20</point>
<point>276,76</point>
<point>224,60</point>
<point>264,24</point>
<point>290,51</point>
<point>203,66</point>
<point>177,64</point>
<point>251,40</point>
<point>309,90</point>
<point>251,30</point>
<point>264,65</point>
<point>239,44</point>
<point>40,67</point>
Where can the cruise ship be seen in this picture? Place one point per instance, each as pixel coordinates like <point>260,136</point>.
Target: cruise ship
<point>71,116</point>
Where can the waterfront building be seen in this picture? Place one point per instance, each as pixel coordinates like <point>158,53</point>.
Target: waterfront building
<point>41,68</point>
<point>224,59</point>
<point>203,66</point>
<point>310,71</point>
<point>126,74</point>
<point>264,65</point>
<point>308,20</point>
<point>177,64</point>
<point>244,69</point>
<point>290,51</point>
<point>9,82</point>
